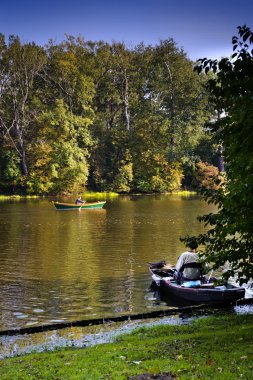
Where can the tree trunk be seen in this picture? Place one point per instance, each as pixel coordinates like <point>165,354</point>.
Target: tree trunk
<point>172,98</point>
<point>220,160</point>
<point>22,152</point>
<point>23,163</point>
<point>126,104</point>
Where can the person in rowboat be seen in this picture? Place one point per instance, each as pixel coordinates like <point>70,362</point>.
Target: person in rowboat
<point>79,201</point>
<point>188,267</point>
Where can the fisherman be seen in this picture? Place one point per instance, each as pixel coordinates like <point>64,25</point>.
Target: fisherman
<point>188,267</point>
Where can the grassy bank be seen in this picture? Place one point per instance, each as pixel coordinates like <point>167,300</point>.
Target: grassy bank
<point>209,348</point>
<point>4,197</point>
<point>98,195</point>
<point>88,194</point>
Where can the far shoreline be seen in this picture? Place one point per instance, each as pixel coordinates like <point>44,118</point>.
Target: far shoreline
<point>96,194</point>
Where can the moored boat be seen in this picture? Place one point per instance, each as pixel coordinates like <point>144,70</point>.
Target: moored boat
<point>83,206</point>
<point>198,292</point>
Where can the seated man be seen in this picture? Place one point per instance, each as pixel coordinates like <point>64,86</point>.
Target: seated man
<point>79,201</point>
<point>188,267</point>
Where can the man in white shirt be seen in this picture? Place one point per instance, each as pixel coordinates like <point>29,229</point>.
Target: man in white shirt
<point>188,266</point>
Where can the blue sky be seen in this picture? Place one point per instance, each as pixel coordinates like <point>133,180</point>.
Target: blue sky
<point>202,28</point>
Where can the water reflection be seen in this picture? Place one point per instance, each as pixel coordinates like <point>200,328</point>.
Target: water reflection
<point>65,266</point>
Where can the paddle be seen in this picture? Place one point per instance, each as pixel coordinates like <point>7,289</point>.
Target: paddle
<point>209,278</point>
<point>81,206</point>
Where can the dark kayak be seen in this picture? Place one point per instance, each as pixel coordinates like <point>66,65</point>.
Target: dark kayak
<point>197,292</point>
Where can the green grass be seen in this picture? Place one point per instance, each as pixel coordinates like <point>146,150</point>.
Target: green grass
<point>87,195</point>
<point>209,348</point>
<point>95,195</point>
<point>184,193</point>
<point>3,197</point>
<point>99,196</point>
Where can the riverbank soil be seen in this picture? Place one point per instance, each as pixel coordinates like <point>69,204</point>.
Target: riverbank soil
<point>216,347</point>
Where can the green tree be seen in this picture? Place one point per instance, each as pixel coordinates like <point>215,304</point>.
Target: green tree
<point>178,94</point>
<point>229,240</point>
<point>172,109</point>
<point>20,65</point>
<point>60,155</point>
<point>9,170</point>
<point>115,95</point>
<point>59,161</point>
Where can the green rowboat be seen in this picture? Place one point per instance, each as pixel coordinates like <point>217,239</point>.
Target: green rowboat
<point>86,205</point>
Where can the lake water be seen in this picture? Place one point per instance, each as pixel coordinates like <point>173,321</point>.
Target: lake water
<point>61,266</point>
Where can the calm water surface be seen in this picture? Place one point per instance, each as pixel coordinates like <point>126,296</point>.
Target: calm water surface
<point>69,265</point>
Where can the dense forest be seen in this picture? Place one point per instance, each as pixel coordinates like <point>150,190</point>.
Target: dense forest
<point>91,115</point>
